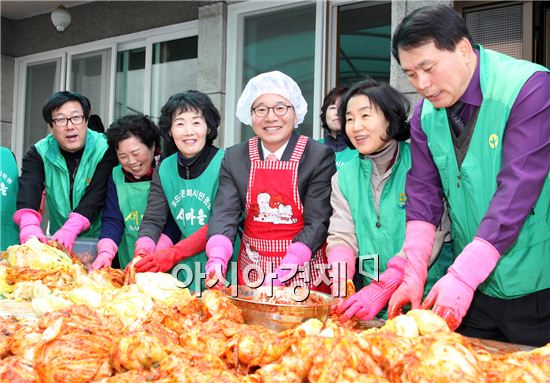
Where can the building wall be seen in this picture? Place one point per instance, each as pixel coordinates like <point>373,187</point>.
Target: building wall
<point>94,21</point>
<point>7,64</point>
<point>399,10</point>
<point>103,19</point>
<point>100,20</point>
<point>212,54</point>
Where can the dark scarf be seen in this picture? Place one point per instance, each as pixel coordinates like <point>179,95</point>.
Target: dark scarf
<point>337,144</point>
<point>190,168</point>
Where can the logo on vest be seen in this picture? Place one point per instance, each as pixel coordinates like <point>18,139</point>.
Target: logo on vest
<point>190,217</point>
<point>493,141</point>
<point>3,186</point>
<point>135,218</point>
<point>270,209</point>
<point>402,200</point>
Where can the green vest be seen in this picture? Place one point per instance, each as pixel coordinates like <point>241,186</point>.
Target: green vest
<point>132,201</point>
<point>342,156</point>
<point>525,267</point>
<point>58,182</point>
<point>382,236</point>
<point>9,232</point>
<point>191,206</point>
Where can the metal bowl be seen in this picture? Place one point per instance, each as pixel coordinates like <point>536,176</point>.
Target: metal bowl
<point>277,316</point>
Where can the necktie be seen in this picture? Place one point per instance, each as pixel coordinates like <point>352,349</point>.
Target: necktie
<point>272,157</point>
<point>454,115</point>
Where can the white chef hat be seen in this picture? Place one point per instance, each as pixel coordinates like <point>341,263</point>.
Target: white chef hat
<point>271,83</point>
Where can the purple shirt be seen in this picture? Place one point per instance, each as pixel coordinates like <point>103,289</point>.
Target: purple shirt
<point>525,163</point>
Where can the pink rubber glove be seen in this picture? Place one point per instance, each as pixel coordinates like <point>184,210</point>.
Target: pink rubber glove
<point>163,260</point>
<point>368,301</point>
<point>29,225</point>
<point>452,295</point>
<point>106,251</point>
<point>219,250</point>
<point>419,241</point>
<point>144,246</point>
<point>297,254</point>
<point>75,225</point>
<point>164,242</point>
<point>340,259</point>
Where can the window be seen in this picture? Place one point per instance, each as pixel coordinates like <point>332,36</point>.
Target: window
<point>42,79</point>
<point>364,42</point>
<point>120,75</point>
<point>89,76</point>
<point>319,44</point>
<point>130,82</point>
<point>291,50</point>
<point>498,28</point>
<point>174,70</point>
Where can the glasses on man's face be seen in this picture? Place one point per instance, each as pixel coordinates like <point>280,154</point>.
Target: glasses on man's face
<point>279,110</point>
<point>62,122</point>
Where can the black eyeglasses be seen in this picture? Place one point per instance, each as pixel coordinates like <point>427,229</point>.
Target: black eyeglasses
<point>62,122</point>
<point>279,110</point>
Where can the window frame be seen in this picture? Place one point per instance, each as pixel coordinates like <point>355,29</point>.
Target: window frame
<point>236,15</point>
<point>113,45</point>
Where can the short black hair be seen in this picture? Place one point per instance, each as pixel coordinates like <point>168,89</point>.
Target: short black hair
<point>134,125</point>
<point>330,99</point>
<point>192,100</point>
<point>391,102</point>
<point>95,123</point>
<point>438,23</point>
<point>58,99</point>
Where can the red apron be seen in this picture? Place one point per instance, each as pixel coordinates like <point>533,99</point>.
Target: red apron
<point>273,217</point>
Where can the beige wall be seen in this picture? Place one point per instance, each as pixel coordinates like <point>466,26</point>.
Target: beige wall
<point>7,65</point>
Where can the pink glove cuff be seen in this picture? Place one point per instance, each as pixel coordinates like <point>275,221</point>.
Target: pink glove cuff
<point>419,241</point>
<point>343,254</point>
<point>395,270</point>
<point>145,244</point>
<point>164,242</point>
<point>297,253</point>
<point>218,250</point>
<point>475,262</point>
<point>25,217</point>
<point>78,222</point>
<point>107,247</point>
<point>219,246</point>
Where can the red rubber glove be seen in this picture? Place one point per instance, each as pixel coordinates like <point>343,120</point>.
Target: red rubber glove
<point>29,225</point>
<point>75,225</point>
<point>106,251</point>
<point>419,241</point>
<point>452,295</point>
<point>368,301</point>
<point>163,260</point>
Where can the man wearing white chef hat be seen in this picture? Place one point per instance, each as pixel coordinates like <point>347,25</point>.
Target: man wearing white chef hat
<point>281,182</point>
